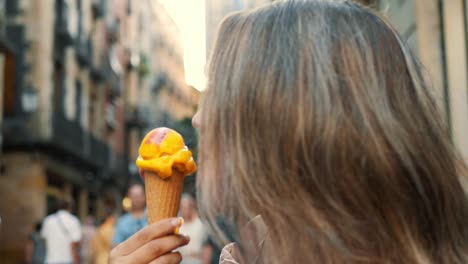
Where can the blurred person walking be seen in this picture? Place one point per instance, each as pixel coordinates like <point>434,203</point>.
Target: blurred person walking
<point>35,250</point>
<point>62,233</point>
<point>194,228</point>
<point>101,242</point>
<point>136,219</point>
<point>89,229</point>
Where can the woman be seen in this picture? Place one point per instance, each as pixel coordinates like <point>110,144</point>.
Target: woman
<point>101,242</point>
<point>318,119</point>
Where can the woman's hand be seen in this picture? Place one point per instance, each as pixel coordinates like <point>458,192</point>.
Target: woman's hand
<point>153,244</point>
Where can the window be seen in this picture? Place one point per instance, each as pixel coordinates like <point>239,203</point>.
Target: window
<point>80,19</point>
<point>2,17</point>
<point>61,11</point>
<point>93,106</point>
<point>59,91</point>
<point>79,94</point>
<point>9,91</point>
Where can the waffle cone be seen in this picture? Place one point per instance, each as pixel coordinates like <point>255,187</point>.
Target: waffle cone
<point>162,195</point>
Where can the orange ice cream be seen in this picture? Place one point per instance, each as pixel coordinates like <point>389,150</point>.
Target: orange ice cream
<point>164,162</point>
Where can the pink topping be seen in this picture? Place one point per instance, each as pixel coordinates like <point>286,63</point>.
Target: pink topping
<point>157,135</point>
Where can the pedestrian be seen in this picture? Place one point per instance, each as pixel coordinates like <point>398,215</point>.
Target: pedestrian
<point>318,122</point>
<point>88,230</point>
<point>136,219</point>
<point>35,249</point>
<point>101,242</point>
<point>192,227</point>
<point>62,234</point>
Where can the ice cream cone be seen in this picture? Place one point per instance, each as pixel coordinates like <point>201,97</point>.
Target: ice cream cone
<point>164,162</point>
<point>163,195</point>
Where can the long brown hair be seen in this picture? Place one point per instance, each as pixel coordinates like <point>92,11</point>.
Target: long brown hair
<point>318,118</point>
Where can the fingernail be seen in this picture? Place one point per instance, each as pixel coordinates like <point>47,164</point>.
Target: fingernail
<point>185,236</point>
<point>177,222</point>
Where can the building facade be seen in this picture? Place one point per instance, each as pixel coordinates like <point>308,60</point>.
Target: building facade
<point>217,10</point>
<point>159,95</point>
<point>80,81</point>
<point>437,32</point>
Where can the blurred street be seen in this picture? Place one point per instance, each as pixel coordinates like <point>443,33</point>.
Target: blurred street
<point>82,81</point>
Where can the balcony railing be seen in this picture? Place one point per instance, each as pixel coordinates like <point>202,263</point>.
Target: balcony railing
<point>68,141</point>
<point>97,9</point>
<point>70,137</point>
<point>83,48</point>
<point>63,36</point>
<point>12,7</point>
<point>99,151</point>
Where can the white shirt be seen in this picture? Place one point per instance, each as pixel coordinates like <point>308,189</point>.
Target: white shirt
<point>197,233</point>
<point>60,230</point>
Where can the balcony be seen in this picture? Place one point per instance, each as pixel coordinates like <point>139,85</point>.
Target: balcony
<point>112,70</point>
<point>97,74</point>
<point>12,7</point>
<point>99,151</point>
<point>113,30</point>
<point>68,141</point>
<point>63,36</point>
<point>159,82</point>
<point>83,53</point>
<point>5,44</point>
<point>69,137</point>
<point>97,9</point>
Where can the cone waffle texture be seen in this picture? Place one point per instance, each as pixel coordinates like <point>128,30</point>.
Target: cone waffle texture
<point>163,195</point>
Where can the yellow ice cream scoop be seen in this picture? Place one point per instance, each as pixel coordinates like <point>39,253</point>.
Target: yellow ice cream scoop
<point>163,150</point>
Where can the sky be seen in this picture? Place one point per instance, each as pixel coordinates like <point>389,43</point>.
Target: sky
<point>189,15</point>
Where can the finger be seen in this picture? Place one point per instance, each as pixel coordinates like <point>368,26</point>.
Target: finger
<point>162,228</point>
<point>158,248</point>
<point>170,258</point>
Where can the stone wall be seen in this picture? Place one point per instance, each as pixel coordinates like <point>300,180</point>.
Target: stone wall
<point>23,185</point>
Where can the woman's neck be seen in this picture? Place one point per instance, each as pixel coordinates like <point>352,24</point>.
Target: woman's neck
<point>137,213</point>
